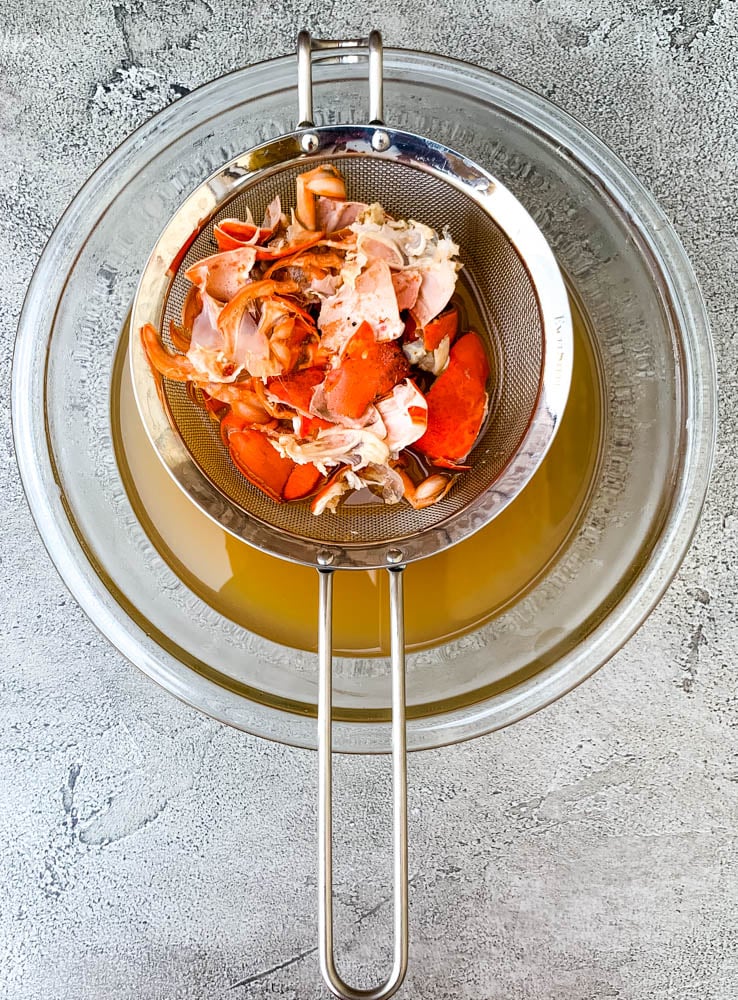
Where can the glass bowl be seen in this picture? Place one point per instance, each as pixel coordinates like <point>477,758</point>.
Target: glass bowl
<point>649,334</point>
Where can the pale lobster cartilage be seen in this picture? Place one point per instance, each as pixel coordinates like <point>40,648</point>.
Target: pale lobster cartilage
<point>322,182</point>
<point>223,274</point>
<point>510,275</point>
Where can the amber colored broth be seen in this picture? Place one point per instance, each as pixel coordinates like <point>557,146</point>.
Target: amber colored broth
<point>446,595</point>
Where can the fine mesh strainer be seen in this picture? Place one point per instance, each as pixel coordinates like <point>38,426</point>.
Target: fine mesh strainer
<point>519,294</point>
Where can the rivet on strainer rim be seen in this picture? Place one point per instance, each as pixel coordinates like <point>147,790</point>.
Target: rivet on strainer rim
<point>521,297</point>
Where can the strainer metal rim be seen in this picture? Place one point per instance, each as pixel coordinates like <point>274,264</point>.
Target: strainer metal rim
<point>340,141</point>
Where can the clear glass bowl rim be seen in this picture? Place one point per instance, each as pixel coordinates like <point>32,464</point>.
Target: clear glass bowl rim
<point>656,235</point>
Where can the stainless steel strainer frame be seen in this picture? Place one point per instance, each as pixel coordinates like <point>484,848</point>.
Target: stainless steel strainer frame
<point>373,140</point>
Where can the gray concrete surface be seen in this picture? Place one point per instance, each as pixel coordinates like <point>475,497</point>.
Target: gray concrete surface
<point>588,852</point>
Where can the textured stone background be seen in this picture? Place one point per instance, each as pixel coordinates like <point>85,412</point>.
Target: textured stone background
<point>588,852</point>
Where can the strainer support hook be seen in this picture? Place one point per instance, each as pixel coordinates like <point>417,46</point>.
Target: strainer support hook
<point>306,45</point>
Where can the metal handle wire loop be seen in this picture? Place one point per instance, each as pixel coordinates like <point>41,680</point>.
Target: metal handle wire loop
<point>399,795</point>
<point>306,45</point>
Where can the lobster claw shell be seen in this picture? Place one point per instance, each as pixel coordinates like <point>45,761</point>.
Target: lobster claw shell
<point>457,405</point>
<point>280,478</point>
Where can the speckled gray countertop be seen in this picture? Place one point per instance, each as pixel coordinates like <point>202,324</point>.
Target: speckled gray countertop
<point>588,852</point>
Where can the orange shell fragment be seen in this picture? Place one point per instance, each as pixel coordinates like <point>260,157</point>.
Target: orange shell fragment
<point>457,404</point>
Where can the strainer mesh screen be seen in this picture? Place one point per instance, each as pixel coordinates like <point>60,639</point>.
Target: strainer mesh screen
<point>508,309</point>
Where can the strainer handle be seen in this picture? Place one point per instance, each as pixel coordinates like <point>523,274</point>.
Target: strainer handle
<point>325,789</point>
<point>306,45</point>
